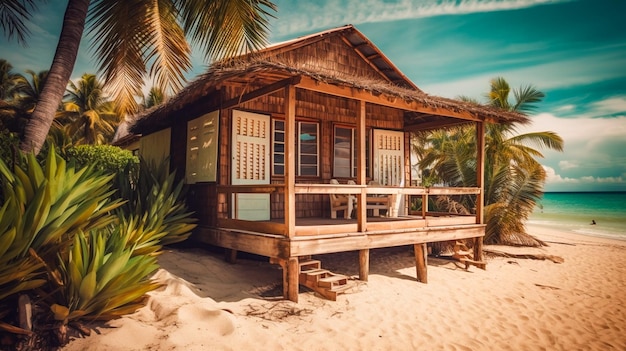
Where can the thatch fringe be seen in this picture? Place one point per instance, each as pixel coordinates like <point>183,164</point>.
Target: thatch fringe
<point>273,64</point>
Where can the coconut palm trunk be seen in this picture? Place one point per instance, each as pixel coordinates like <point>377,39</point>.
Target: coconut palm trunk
<point>62,65</point>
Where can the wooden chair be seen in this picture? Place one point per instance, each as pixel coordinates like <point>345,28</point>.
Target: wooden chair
<point>379,202</point>
<point>341,202</point>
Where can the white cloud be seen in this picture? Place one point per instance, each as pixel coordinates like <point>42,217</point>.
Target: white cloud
<point>566,108</point>
<point>610,106</point>
<point>553,178</point>
<point>565,164</point>
<point>584,129</point>
<point>323,14</point>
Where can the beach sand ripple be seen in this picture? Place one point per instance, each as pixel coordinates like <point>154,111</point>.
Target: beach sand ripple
<point>516,304</point>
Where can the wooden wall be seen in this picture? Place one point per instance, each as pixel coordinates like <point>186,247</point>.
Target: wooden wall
<point>327,110</point>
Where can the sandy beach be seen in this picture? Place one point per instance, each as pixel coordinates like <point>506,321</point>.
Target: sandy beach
<point>516,304</point>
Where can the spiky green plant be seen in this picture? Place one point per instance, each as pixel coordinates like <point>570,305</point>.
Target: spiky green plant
<point>155,193</point>
<point>101,278</point>
<point>43,207</point>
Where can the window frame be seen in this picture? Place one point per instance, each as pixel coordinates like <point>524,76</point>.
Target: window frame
<point>299,146</point>
<point>353,151</point>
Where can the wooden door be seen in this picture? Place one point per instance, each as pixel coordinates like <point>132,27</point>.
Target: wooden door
<point>389,163</point>
<point>202,135</point>
<point>251,163</point>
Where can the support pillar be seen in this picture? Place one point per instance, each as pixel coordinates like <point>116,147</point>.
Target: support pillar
<point>364,264</point>
<point>291,272</point>
<point>478,252</point>
<point>421,256</point>
<point>230,255</point>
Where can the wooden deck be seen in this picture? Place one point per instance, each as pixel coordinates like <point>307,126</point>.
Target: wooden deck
<point>324,235</point>
<point>288,239</point>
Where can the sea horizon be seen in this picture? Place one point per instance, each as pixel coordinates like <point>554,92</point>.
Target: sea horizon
<point>592,213</point>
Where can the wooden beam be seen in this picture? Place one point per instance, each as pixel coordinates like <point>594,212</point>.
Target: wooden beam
<point>381,99</point>
<point>252,226</point>
<point>291,273</point>
<point>433,125</point>
<point>478,251</point>
<point>266,90</point>
<point>421,256</point>
<point>361,175</point>
<point>290,160</point>
<point>357,241</point>
<point>480,171</point>
<point>364,264</point>
<point>266,245</point>
<point>366,59</point>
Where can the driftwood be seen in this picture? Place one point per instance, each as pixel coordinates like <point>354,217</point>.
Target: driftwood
<point>553,258</point>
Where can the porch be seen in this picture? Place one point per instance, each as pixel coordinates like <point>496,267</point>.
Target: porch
<point>288,238</point>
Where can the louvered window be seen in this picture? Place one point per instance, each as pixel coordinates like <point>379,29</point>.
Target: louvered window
<point>307,148</point>
<point>250,148</point>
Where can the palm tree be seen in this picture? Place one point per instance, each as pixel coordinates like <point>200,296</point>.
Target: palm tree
<point>30,90</point>
<point>136,38</point>
<point>155,97</point>
<point>514,178</point>
<point>12,87</point>
<point>87,116</point>
<point>10,81</point>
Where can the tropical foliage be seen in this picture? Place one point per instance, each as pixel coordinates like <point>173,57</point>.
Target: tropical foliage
<point>155,193</point>
<point>514,178</point>
<point>107,158</point>
<point>132,39</point>
<point>68,240</point>
<point>87,116</point>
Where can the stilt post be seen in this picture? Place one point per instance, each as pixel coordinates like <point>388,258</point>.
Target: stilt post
<point>291,272</point>
<point>421,256</point>
<point>364,264</point>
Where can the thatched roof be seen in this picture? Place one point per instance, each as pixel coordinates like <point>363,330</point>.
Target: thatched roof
<point>276,63</point>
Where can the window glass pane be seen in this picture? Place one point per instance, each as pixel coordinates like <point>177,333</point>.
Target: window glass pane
<point>307,160</point>
<point>279,148</point>
<point>343,147</point>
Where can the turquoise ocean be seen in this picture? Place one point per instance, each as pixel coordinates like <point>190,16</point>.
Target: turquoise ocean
<point>575,211</point>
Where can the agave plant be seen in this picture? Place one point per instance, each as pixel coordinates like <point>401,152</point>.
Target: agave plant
<point>44,206</point>
<point>155,193</point>
<point>101,278</point>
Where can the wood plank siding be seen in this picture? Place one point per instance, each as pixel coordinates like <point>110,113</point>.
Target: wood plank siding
<point>309,90</point>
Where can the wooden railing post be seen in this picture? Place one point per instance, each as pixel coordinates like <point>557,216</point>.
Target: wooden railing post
<point>290,160</point>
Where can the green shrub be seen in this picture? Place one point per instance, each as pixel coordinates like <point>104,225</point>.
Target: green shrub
<point>107,158</point>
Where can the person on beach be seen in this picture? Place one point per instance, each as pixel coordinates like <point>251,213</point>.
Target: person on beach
<point>593,222</point>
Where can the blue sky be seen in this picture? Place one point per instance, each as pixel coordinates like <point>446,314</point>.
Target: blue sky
<point>574,51</point>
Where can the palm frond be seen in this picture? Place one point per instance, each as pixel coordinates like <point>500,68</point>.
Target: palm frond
<point>13,17</point>
<point>225,28</point>
<point>526,98</point>
<point>167,47</point>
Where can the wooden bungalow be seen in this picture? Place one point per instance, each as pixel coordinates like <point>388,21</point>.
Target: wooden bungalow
<point>275,143</point>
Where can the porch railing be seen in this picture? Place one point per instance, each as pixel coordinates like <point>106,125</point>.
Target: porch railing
<point>278,228</point>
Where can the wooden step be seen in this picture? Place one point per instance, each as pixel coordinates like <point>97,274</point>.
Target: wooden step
<point>313,274</point>
<point>333,280</point>
<point>340,288</point>
<point>309,264</point>
<point>468,262</point>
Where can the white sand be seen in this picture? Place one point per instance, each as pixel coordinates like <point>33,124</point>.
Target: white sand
<point>516,304</point>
